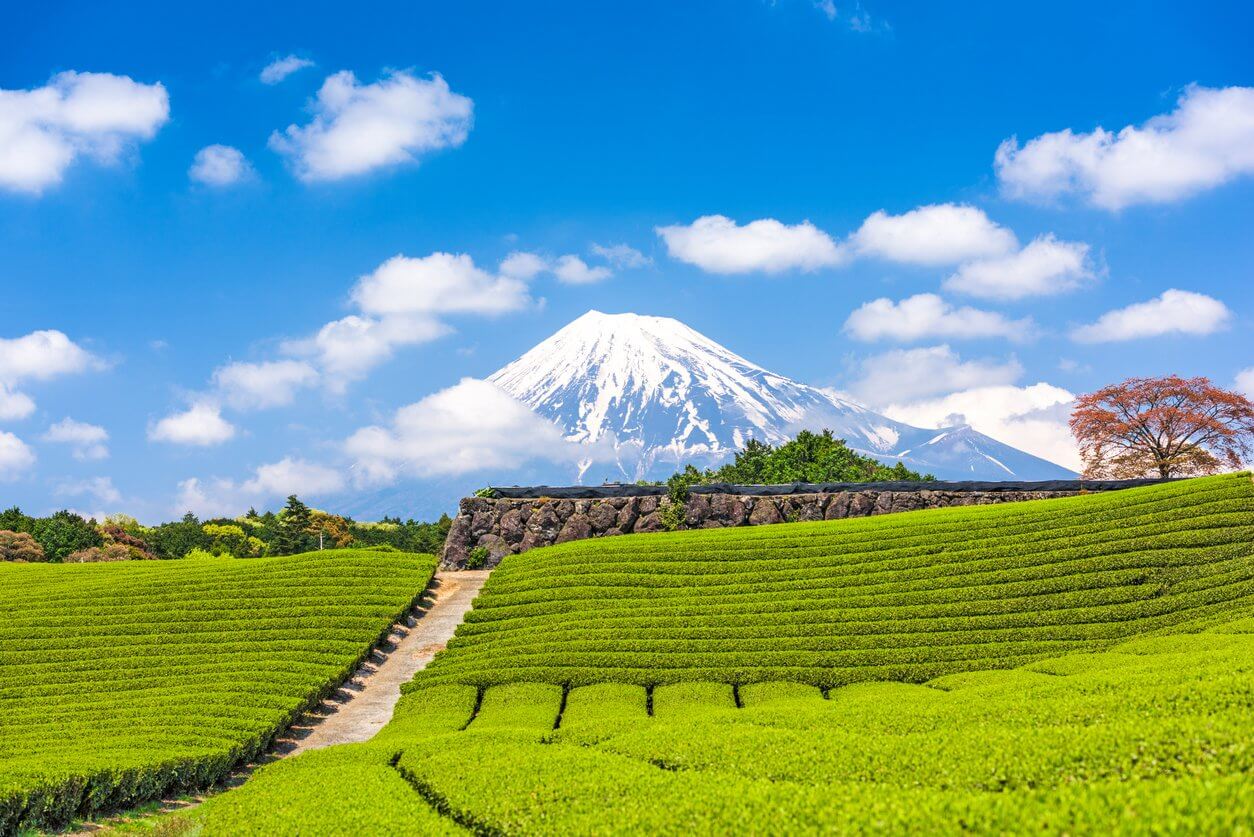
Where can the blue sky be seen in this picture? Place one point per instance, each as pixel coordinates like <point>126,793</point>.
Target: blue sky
<point>564,129</point>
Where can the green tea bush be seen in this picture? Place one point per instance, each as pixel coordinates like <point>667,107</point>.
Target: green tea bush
<point>120,682</point>
<point>907,596</point>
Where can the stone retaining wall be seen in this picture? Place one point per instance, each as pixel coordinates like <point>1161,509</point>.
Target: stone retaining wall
<point>505,526</point>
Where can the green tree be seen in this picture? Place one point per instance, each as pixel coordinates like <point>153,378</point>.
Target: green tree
<point>175,540</point>
<point>13,520</point>
<point>293,535</point>
<point>63,533</point>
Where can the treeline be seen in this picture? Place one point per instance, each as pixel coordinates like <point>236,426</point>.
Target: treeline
<point>70,538</point>
<point>811,457</point>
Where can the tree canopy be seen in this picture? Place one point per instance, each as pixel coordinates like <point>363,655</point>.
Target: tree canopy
<point>1166,427</point>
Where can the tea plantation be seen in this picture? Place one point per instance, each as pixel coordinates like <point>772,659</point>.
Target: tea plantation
<point>121,681</point>
<point>1066,666</point>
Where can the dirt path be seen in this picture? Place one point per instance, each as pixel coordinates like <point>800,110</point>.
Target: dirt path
<point>365,703</point>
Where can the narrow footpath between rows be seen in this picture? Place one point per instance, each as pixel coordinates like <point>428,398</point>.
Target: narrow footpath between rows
<point>365,703</point>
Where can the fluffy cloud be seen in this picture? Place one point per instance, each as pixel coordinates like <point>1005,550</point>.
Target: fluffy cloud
<point>15,456</point>
<point>100,489</point>
<point>621,256</point>
<point>201,425</point>
<point>933,235</point>
<point>441,283</point>
<point>1172,312</point>
<point>37,356</point>
<point>523,265</point>
<point>1046,266</point>
<point>227,498</point>
<point>95,115</point>
<point>13,404</point>
<point>1245,382</point>
<point>219,165</point>
<point>87,441</point>
<point>259,386</point>
<point>281,68</point>
<point>927,315</point>
<point>907,374</point>
<point>1031,418</point>
<point>717,244</point>
<point>575,271</point>
<point>348,348</point>
<point>471,426</point>
<point>1206,141</point>
<point>357,128</point>
<point>41,355</point>
<point>570,269</point>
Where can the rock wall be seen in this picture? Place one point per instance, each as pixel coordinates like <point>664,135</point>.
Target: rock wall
<point>505,526</point>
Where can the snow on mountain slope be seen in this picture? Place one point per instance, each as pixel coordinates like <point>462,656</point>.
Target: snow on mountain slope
<point>667,395</point>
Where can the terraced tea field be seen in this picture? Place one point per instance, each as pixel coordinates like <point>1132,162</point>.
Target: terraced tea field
<point>903,597</point>
<point>121,681</point>
<point>1083,665</point>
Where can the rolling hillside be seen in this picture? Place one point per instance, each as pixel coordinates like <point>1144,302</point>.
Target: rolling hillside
<point>1083,665</point>
<point>122,681</point>
<point>897,597</point>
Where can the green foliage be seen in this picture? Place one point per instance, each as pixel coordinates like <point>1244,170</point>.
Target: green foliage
<point>811,457</point>
<point>63,533</point>
<point>489,492</point>
<point>13,520</point>
<point>121,682</point>
<point>1150,736</point>
<point>407,536</point>
<point>905,596</point>
<point>478,558</point>
<point>294,530</point>
<point>174,540</point>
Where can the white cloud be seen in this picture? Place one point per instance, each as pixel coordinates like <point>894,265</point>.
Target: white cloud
<point>41,355</point>
<point>281,68</point>
<point>219,497</point>
<point>259,386</point>
<point>621,256</point>
<point>219,165</point>
<point>1245,382</point>
<point>101,489</point>
<point>1032,418</point>
<point>348,348</point>
<point>907,374</point>
<point>13,404</point>
<point>201,425</point>
<point>38,356</point>
<point>927,315</point>
<point>827,7</point>
<point>1206,141</point>
<point>95,115</point>
<point>1172,312</point>
<point>575,271</point>
<point>15,456</point>
<point>441,283</point>
<point>470,426</point>
<point>86,440</point>
<point>933,235</point>
<point>716,244</point>
<point>523,265</point>
<point>357,128</point>
<point>1046,266</point>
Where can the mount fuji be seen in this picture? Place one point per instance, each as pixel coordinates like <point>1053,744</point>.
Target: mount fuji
<point>661,395</point>
<point>665,395</point>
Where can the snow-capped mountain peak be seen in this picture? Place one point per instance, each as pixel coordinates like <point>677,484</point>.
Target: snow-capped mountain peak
<point>666,395</point>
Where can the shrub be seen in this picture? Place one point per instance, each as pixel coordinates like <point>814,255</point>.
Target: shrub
<point>63,533</point>
<point>478,558</point>
<point>96,554</point>
<point>19,546</point>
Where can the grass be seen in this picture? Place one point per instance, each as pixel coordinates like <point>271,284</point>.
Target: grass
<point>1066,666</point>
<point>122,682</point>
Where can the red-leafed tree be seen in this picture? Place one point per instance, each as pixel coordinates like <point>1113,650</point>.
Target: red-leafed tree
<point>1169,427</point>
